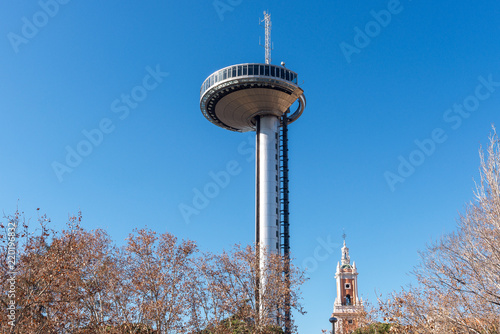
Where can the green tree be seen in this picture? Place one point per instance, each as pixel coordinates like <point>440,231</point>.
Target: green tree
<point>377,328</point>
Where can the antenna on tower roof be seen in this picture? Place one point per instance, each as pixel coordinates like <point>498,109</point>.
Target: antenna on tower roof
<point>268,46</point>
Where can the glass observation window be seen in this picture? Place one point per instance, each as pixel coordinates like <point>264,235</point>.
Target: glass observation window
<point>261,68</point>
<point>266,70</point>
<point>245,69</point>
<point>273,71</point>
<point>240,70</point>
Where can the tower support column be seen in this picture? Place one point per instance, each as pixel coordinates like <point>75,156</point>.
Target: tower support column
<point>267,200</point>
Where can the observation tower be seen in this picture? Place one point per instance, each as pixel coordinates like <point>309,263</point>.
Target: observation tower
<point>257,97</point>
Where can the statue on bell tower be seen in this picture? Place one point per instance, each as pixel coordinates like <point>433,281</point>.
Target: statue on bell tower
<point>346,259</point>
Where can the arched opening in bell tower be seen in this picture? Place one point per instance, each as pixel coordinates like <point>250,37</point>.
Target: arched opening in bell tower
<point>348,299</point>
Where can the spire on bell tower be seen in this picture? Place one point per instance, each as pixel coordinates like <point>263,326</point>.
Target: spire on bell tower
<point>346,260</point>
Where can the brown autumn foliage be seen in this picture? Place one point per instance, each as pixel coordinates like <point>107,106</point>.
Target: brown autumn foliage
<point>63,281</point>
<point>159,275</point>
<point>226,286</point>
<point>78,281</point>
<point>458,288</point>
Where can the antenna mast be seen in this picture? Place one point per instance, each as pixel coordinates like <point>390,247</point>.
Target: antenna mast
<point>267,46</point>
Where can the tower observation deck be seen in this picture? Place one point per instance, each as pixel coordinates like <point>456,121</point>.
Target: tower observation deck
<point>257,97</point>
<point>236,96</point>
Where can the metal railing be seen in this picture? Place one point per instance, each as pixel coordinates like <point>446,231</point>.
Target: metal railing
<point>245,70</point>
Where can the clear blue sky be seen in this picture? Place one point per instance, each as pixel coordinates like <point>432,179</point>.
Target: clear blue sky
<point>369,99</point>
